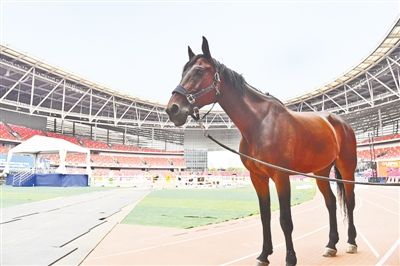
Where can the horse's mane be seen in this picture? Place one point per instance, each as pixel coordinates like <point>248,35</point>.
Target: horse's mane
<point>237,81</point>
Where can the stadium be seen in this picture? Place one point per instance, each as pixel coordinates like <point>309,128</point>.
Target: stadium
<point>127,136</point>
<point>124,141</point>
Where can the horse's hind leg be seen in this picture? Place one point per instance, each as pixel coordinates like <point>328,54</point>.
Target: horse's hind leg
<point>330,202</point>
<point>346,191</point>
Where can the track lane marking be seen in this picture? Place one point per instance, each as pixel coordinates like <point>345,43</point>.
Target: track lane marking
<point>373,250</point>
<point>380,206</point>
<point>389,253</point>
<point>383,196</point>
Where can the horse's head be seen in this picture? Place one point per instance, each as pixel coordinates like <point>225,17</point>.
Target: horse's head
<point>199,86</point>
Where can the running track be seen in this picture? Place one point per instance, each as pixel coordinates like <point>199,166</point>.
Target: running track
<point>239,242</point>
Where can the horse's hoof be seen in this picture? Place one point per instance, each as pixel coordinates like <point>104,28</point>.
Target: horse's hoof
<point>261,263</point>
<point>351,249</point>
<point>329,252</point>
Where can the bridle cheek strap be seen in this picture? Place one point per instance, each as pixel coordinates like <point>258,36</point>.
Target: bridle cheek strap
<point>192,97</point>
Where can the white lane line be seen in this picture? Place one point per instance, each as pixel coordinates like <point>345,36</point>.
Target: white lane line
<point>389,253</point>
<point>368,243</point>
<point>380,195</point>
<point>373,250</point>
<point>381,207</point>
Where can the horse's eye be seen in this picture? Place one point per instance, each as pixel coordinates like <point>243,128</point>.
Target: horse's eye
<point>199,71</point>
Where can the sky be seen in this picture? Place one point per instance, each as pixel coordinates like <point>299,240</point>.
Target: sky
<point>285,48</point>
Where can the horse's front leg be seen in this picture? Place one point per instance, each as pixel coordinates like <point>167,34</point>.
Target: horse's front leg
<point>284,191</point>
<point>262,188</point>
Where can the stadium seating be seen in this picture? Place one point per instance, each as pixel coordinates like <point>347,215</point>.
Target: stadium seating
<point>54,158</point>
<point>178,162</point>
<point>129,161</point>
<point>5,133</point>
<point>380,153</point>
<point>382,138</point>
<point>102,160</point>
<point>26,133</point>
<point>152,150</point>
<point>67,138</point>
<point>91,144</point>
<point>76,159</point>
<point>157,162</point>
<point>120,147</point>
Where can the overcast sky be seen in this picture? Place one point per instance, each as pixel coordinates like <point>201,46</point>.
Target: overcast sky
<point>282,47</point>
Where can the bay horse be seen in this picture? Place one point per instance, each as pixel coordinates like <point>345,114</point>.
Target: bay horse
<point>308,142</point>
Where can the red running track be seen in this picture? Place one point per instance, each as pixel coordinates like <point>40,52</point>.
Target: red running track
<point>239,242</point>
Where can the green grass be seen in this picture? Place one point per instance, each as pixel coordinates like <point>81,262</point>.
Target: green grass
<point>186,208</point>
<point>182,208</point>
<point>11,196</point>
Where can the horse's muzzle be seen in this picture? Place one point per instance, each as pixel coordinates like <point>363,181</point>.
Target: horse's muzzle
<point>176,114</point>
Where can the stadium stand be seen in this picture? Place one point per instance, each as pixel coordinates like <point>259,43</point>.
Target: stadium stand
<point>102,160</point>
<point>76,159</point>
<point>54,159</point>
<point>380,153</point>
<point>383,138</point>
<point>91,144</point>
<point>178,162</point>
<point>5,133</point>
<point>157,162</point>
<point>134,159</point>
<point>67,138</point>
<point>151,150</point>
<point>120,147</point>
<point>129,161</point>
<point>26,133</point>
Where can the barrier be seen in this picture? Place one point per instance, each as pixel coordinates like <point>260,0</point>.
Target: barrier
<point>113,181</point>
<point>194,181</point>
<point>47,180</point>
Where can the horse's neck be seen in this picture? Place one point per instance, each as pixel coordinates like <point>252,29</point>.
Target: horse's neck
<point>247,111</point>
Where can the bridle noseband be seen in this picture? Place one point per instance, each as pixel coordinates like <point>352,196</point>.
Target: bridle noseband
<point>192,97</point>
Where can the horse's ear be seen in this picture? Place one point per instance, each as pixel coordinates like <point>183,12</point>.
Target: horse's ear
<point>190,52</point>
<point>205,48</point>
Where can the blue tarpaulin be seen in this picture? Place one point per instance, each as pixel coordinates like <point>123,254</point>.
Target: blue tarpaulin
<point>53,180</point>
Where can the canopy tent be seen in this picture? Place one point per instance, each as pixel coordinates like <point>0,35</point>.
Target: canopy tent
<point>38,145</point>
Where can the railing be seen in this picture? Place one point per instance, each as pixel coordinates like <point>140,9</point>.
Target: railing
<point>23,176</point>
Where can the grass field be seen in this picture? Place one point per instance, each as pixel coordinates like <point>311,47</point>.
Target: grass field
<point>11,196</point>
<point>182,208</point>
<point>186,208</point>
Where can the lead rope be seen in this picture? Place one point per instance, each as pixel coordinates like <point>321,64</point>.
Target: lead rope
<point>289,170</point>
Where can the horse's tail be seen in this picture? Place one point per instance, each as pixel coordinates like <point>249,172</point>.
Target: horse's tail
<point>341,192</point>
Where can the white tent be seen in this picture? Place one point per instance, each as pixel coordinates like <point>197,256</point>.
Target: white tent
<point>38,145</point>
